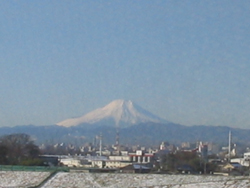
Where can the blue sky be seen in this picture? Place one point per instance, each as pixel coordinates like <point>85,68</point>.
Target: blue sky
<point>185,61</point>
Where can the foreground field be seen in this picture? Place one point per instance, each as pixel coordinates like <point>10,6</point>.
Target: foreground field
<point>90,180</point>
<point>97,180</point>
<point>17,179</point>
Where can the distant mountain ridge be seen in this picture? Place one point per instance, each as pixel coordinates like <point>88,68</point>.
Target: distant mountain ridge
<point>143,134</point>
<point>137,126</point>
<point>118,113</point>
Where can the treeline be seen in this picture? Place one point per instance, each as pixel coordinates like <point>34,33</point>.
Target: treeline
<point>186,161</point>
<point>19,149</point>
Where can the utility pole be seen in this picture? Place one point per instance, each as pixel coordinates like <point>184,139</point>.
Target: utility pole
<point>117,140</point>
<point>100,146</point>
<point>229,146</point>
<point>205,166</point>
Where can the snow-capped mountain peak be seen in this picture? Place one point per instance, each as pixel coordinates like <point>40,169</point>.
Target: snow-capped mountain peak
<point>120,113</point>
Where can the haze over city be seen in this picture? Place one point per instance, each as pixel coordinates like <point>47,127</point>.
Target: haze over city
<point>184,61</point>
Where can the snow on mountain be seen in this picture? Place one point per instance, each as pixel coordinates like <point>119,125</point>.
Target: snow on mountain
<point>119,113</point>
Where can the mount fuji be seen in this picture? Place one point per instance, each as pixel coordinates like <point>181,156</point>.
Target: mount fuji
<point>136,126</point>
<point>118,113</point>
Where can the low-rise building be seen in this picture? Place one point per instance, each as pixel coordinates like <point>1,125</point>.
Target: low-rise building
<point>245,161</point>
<point>71,162</point>
<point>140,157</point>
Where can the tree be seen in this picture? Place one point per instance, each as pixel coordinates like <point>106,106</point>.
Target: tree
<point>183,158</point>
<point>171,161</point>
<point>3,154</point>
<point>18,147</point>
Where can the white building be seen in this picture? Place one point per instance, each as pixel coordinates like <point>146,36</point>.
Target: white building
<point>71,162</point>
<point>245,161</point>
<point>123,160</point>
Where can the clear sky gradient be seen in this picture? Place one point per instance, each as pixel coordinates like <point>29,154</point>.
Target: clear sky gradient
<point>185,61</point>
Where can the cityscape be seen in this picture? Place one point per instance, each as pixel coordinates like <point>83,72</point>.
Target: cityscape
<point>196,159</point>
